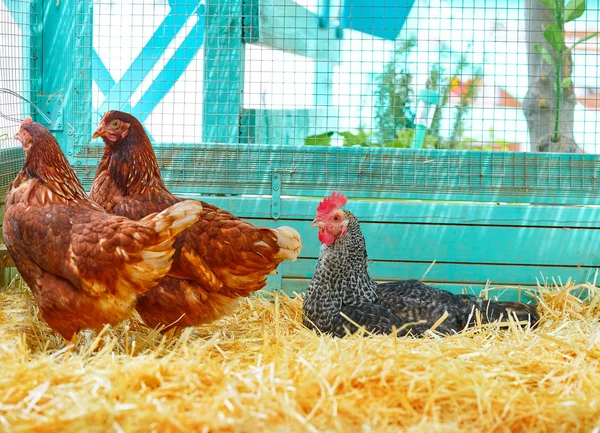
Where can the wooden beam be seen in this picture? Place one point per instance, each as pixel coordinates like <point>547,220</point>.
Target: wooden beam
<point>287,26</point>
<point>375,173</point>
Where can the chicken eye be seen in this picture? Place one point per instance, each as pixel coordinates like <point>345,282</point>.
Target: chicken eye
<point>114,124</point>
<point>336,218</point>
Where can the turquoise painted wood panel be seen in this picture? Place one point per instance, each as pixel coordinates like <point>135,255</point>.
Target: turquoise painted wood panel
<point>282,127</point>
<point>292,287</point>
<point>120,93</point>
<point>372,172</point>
<point>401,211</point>
<point>285,25</point>
<point>57,62</point>
<point>26,15</point>
<point>381,18</point>
<point>223,72</point>
<point>453,273</point>
<point>174,68</point>
<point>78,121</point>
<point>467,244</point>
<point>505,245</point>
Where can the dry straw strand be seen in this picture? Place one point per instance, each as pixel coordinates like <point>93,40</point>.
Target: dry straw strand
<point>261,370</point>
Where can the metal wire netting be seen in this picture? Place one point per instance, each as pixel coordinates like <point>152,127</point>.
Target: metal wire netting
<point>16,66</point>
<point>322,73</point>
<point>340,91</point>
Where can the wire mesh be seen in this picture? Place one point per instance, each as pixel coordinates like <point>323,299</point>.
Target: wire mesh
<point>16,66</point>
<point>342,91</point>
<point>17,69</point>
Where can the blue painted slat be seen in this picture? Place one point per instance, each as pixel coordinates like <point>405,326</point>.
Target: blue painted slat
<point>101,76</point>
<point>20,12</point>
<point>286,25</point>
<point>25,15</point>
<point>368,172</point>
<point>81,98</point>
<point>172,71</point>
<point>466,244</point>
<point>291,286</point>
<point>380,18</point>
<point>390,211</point>
<point>120,93</point>
<point>223,72</point>
<point>454,273</point>
<point>61,34</point>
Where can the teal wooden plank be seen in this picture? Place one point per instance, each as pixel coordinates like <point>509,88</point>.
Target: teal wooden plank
<point>282,127</point>
<point>26,15</point>
<point>299,286</point>
<point>78,121</point>
<point>380,18</point>
<point>121,92</point>
<point>375,172</point>
<point>387,210</point>
<point>101,75</point>
<point>454,273</point>
<point>250,21</point>
<point>223,72</point>
<point>172,71</point>
<point>285,25</point>
<point>58,60</point>
<point>466,244</point>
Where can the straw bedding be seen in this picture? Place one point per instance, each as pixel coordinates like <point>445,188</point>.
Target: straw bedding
<point>261,371</point>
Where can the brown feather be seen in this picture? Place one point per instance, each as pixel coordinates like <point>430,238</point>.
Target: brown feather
<point>220,254</point>
<point>84,266</point>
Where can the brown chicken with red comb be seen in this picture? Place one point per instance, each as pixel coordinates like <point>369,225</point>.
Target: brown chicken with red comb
<point>218,259</point>
<point>85,267</point>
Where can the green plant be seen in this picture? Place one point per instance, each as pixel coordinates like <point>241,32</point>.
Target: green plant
<point>434,82</point>
<point>554,35</point>
<point>467,94</point>
<point>394,115</point>
<point>394,95</point>
<point>361,138</point>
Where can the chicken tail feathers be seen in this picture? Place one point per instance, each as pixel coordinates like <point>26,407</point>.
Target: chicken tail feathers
<point>156,257</point>
<point>495,311</point>
<point>289,241</point>
<point>175,219</point>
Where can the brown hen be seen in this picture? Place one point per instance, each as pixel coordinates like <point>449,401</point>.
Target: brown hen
<point>85,267</point>
<point>218,259</point>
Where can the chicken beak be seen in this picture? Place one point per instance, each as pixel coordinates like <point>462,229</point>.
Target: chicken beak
<point>100,131</point>
<point>316,223</point>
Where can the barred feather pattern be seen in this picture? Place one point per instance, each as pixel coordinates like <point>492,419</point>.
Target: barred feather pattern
<point>341,286</point>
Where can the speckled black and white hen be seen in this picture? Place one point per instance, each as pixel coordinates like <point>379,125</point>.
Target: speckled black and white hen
<point>342,294</point>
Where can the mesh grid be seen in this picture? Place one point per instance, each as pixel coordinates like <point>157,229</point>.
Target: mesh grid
<point>341,91</point>
<point>17,71</point>
<point>16,66</point>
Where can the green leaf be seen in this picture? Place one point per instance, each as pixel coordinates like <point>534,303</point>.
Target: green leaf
<point>566,82</point>
<point>574,9</point>
<point>550,4</point>
<point>582,40</point>
<point>546,56</point>
<point>553,33</point>
<point>319,139</point>
<point>359,139</point>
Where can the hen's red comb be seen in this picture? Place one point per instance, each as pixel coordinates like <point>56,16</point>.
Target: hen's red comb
<point>335,201</point>
<point>26,121</point>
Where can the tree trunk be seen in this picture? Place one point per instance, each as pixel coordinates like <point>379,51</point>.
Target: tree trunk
<point>540,101</point>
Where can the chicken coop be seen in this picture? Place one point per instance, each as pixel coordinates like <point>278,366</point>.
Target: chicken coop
<point>464,132</point>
